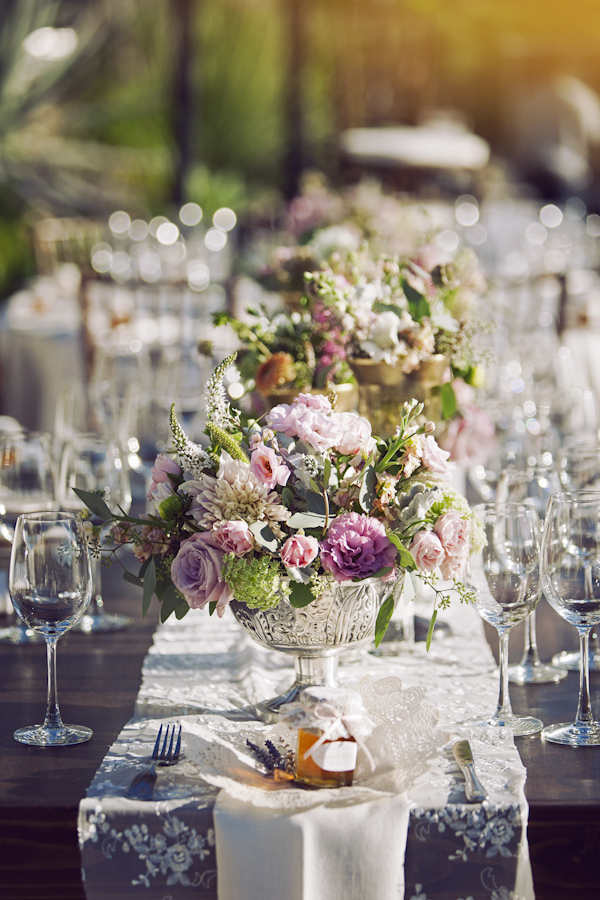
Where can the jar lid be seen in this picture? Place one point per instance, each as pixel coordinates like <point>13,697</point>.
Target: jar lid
<point>346,701</point>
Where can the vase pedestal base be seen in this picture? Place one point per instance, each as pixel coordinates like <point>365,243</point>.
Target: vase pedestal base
<point>309,671</point>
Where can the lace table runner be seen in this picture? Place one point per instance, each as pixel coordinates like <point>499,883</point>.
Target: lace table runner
<point>206,673</point>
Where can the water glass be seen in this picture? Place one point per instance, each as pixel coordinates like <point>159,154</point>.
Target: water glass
<point>50,586</point>
<point>504,577</point>
<point>570,573</point>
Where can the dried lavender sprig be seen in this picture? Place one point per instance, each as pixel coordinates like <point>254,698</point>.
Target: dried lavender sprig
<point>271,758</point>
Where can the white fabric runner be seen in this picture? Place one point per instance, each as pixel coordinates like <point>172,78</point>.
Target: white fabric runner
<point>206,673</point>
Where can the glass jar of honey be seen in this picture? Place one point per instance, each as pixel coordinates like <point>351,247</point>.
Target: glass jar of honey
<point>331,724</point>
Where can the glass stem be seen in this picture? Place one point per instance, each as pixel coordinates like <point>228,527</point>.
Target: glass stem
<point>504,707</point>
<point>530,656</point>
<point>584,707</point>
<point>53,719</point>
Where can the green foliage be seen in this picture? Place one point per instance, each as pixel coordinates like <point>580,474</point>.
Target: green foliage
<point>220,438</point>
<point>256,582</point>
<point>384,616</point>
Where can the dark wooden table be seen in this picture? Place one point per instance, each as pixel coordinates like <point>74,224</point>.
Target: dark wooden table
<point>98,680</point>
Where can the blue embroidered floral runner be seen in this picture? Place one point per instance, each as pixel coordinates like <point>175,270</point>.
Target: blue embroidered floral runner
<point>206,674</point>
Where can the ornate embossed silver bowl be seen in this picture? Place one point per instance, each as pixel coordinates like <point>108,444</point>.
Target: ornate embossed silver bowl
<point>342,618</point>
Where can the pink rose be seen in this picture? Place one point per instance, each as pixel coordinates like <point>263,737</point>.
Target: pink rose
<point>233,537</point>
<point>433,457</point>
<point>453,532</point>
<point>356,435</point>
<point>299,550</point>
<point>196,572</point>
<point>453,567</point>
<point>161,485</point>
<point>470,440</point>
<point>427,550</point>
<point>267,467</point>
<point>312,422</point>
<point>319,402</point>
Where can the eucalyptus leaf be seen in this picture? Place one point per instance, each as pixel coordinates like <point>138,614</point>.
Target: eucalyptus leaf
<point>321,376</point>
<point>316,504</point>
<point>449,404</point>
<point>171,600</point>
<point>381,573</point>
<point>419,306</point>
<point>367,493</point>
<point>306,520</point>
<point>287,497</point>
<point>133,579</point>
<point>149,585</point>
<point>264,536</point>
<point>212,607</point>
<point>300,595</point>
<point>430,630</point>
<point>181,610</point>
<point>301,575</point>
<point>284,440</point>
<point>383,619</point>
<point>95,504</point>
<point>389,307</point>
<point>406,560</point>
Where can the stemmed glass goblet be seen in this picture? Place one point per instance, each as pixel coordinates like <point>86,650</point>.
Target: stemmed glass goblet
<point>532,486</point>
<point>27,484</point>
<point>50,586</point>
<point>504,577</point>
<point>93,464</point>
<point>579,470</point>
<point>570,574</point>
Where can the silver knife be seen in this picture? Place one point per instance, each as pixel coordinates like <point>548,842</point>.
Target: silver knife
<point>463,755</point>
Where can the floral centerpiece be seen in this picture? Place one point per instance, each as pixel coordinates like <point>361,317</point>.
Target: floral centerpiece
<point>406,331</point>
<point>286,353</point>
<point>288,508</point>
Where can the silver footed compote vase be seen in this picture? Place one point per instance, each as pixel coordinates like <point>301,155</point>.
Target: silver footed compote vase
<point>342,618</point>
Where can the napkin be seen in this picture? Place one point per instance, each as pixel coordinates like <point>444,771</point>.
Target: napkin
<point>336,850</point>
<point>340,844</point>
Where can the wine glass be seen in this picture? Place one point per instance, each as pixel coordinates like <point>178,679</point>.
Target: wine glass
<point>93,464</point>
<point>119,383</point>
<point>27,484</point>
<point>532,486</point>
<point>50,586</point>
<point>579,470</point>
<point>504,577</point>
<point>570,574</point>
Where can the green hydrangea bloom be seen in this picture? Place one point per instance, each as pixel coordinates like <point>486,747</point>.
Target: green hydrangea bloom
<point>256,582</point>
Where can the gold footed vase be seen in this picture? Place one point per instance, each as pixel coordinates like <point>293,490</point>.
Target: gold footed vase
<point>347,396</point>
<point>342,618</point>
<point>384,388</point>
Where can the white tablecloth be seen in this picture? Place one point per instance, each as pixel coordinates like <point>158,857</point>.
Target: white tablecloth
<point>206,673</point>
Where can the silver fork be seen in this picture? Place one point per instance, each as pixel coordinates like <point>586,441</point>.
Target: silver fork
<point>167,754</point>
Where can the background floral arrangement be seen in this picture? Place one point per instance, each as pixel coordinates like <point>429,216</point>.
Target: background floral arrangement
<point>357,306</point>
<point>289,507</point>
<point>380,287</point>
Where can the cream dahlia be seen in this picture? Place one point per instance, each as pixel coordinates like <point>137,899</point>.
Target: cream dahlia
<point>235,494</point>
